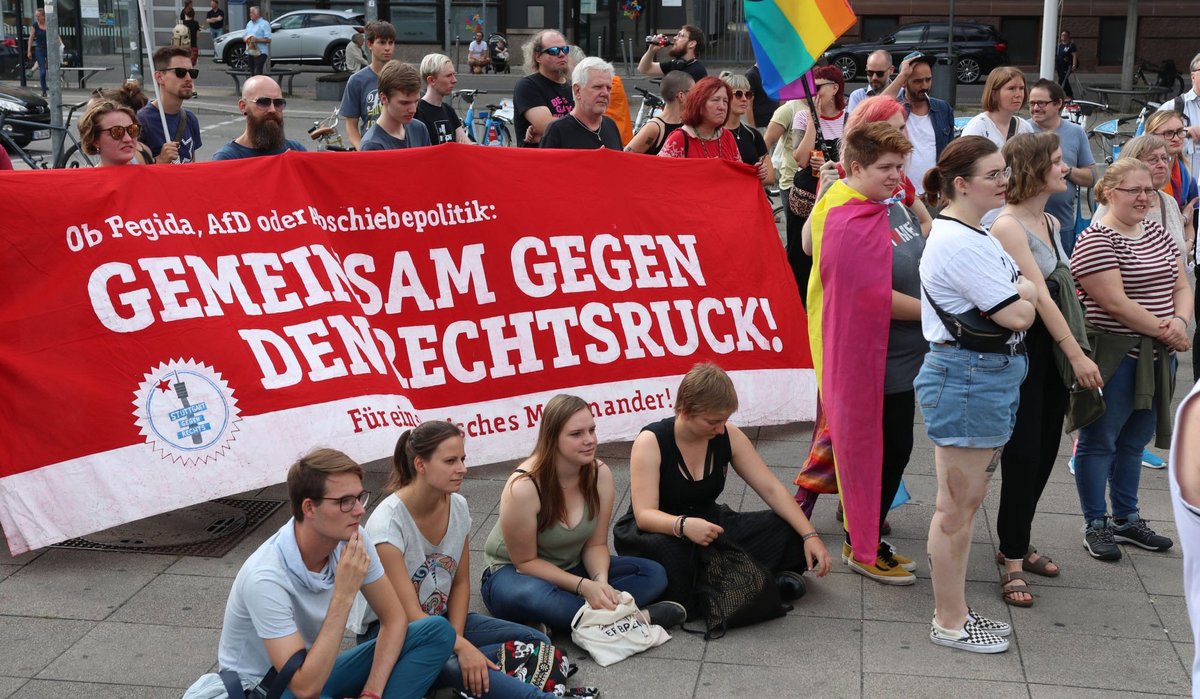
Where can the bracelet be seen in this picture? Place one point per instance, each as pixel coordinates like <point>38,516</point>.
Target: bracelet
<point>579,585</point>
<point>676,529</point>
<point>682,521</point>
<point>808,536</point>
<point>369,695</point>
<point>1059,341</point>
<point>1182,320</point>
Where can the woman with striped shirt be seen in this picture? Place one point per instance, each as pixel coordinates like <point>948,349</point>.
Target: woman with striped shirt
<point>1136,300</point>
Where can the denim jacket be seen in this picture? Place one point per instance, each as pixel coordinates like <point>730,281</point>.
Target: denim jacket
<point>941,114</point>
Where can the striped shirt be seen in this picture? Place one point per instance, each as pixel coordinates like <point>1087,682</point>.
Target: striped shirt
<point>1148,265</point>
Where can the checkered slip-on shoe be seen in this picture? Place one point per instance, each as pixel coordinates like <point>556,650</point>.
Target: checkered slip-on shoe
<point>996,628</point>
<point>970,638</point>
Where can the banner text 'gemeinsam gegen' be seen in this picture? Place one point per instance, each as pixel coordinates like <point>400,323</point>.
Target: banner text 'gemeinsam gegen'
<point>173,334</point>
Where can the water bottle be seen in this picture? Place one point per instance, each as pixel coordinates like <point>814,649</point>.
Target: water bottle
<point>1116,152</point>
<point>493,135</point>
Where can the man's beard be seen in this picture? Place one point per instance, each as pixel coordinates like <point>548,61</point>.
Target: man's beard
<point>266,132</point>
<point>676,52</point>
<point>563,72</point>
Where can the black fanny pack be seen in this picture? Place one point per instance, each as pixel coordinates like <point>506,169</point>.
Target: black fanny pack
<point>972,330</point>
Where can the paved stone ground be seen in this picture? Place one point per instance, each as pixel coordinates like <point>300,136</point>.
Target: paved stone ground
<point>96,624</point>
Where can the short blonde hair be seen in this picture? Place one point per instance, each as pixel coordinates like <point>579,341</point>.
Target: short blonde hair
<point>735,81</point>
<point>706,389</point>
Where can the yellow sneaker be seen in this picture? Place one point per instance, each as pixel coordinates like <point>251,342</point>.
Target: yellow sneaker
<point>883,570</point>
<point>903,561</point>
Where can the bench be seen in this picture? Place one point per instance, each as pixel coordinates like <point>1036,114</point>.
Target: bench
<point>82,75</point>
<point>240,75</point>
<point>331,86</point>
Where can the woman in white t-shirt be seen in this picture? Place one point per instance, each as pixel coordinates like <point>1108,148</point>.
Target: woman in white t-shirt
<point>968,397</point>
<point>422,535</point>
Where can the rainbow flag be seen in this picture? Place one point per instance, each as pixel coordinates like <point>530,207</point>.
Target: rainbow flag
<point>789,36</point>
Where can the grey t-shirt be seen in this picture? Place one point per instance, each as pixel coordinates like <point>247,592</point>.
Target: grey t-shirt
<point>415,134</point>
<point>906,344</point>
<point>1076,153</point>
<point>431,565</point>
<point>274,596</point>
<point>361,98</point>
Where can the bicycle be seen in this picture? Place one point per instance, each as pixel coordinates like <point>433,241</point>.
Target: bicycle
<point>1165,76</point>
<point>325,133</point>
<point>652,105</point>
<point>494,128</point>
<point>1108,136</point>
<point>1080,111</point>
<point>72,157</point>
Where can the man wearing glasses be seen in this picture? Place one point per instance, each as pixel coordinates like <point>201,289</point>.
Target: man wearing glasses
<point>295,593</point>
<point>174,74</point>
<point>544,94</point>
<point>686,47</point>
<point>879,73</point>
<point>262,102</point>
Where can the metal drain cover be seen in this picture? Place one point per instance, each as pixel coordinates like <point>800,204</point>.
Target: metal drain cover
<point>191,525</point>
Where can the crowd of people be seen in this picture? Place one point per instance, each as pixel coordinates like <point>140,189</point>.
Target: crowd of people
<point>1005,318</point>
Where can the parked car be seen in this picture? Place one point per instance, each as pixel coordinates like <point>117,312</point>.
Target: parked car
<point>304,36</point>
<point>25,105</point>
<point>978,48</point>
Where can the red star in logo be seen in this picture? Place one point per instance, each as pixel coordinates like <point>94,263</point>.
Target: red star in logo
<point>164,385</point>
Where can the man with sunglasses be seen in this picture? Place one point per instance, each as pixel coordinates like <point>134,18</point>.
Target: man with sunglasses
<point>879,74</point>
<point>686,47</point>
<point>262,102</point>
<point>360,105</point>
<point>175,76</point>
<point>295,593</point>
<point>544,94</point>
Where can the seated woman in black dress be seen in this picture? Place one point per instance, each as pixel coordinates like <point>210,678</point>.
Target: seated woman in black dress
<point>677,471</point>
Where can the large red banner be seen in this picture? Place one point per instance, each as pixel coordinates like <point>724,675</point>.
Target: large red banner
<point>173,334</point>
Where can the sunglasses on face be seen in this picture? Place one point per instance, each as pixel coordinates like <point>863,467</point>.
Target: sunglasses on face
<point>877,73</point>
<point>183,72</point>
<point>118,132</point>
<point>821,85</point>
<point>264,102</point>
<point>743,94</point>
<point>557,50</point>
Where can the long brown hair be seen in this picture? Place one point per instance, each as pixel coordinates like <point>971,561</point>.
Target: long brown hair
<point>558,410</point>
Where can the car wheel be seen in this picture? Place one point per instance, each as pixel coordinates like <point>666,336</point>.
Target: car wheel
<point>235,57</point>
<point>848,65</point>
<point>336,57</point>
<point>969,71</point>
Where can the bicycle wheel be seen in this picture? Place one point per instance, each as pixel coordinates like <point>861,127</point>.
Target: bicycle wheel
<point>72,158</point>
<point>503,136</point>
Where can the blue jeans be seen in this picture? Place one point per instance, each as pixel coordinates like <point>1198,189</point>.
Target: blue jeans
<point>1110,449</point>
<point>529,599</point>
<point>426,646</point>
<point>259,64</point>
<point>489,635</point>
<point>969,399</point>
<point>39,55</point>
<point>215,32</point>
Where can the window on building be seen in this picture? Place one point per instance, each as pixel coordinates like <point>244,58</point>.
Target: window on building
<point>1024,36</point>
<point>1111,47</point>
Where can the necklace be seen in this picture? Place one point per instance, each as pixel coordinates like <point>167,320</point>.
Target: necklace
<point>705,141</point>
<point>595,132</point>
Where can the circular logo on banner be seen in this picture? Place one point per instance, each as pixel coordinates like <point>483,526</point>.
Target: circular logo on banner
<point>186,411</point>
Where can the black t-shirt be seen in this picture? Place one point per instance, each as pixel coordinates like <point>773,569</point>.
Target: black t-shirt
<point>193,30</point>
<point>440,120</point>
<point>219,15</point>
<point>568,132</point>
<point>537,90</point>
<point>764,106</point>
<point>750,143</point>
<point>693,68</point>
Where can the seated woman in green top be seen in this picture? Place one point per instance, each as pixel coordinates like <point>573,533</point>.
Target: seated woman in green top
<point>548,554</point>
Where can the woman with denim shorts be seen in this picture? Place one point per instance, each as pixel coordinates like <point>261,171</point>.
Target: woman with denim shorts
<point>1136,300</point>
<point>968,398</point>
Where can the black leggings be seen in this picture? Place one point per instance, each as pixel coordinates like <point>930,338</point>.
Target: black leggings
<point>1029,456</point>
<point>800,261</point>
<point>899,412</point>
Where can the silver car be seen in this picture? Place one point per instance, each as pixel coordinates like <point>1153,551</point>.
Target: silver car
<point>303,36</point>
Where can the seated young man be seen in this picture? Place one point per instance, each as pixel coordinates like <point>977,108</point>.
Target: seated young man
<point>399,92</point>
<point>296,590</point>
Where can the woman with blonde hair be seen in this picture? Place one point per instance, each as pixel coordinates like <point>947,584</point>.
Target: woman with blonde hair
<point>548,554</point>
<point>750,143</point>
<point>111,131</point>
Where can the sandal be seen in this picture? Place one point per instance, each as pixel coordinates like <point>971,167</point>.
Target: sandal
<point>1038,567</point>
<point>1008,594</point>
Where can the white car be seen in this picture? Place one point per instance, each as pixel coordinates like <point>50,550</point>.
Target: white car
<point>303,36</point>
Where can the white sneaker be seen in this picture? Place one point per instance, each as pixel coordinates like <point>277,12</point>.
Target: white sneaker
<point>970,638</point>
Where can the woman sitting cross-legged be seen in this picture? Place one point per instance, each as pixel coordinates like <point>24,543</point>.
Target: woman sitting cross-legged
<point>421,533</point>
<point>677,471</point>
<point>548,554</point>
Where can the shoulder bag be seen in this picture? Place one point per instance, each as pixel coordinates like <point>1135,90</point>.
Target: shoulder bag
<point>973,330</point>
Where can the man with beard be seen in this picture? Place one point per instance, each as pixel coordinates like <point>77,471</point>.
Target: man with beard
<point>399,92</point>
<point>930,124</point>
<point>879,72</point>
<point>544,94</point>
<point>439,118</point>
<point>360,102</point>
<point>686,47</point>
<point>586,127</point>
<point>174,74</point>
<point>1045,104</point>
<point>262,102</point>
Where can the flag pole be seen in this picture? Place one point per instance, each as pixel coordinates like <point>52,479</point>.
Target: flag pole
<point>146,32</point>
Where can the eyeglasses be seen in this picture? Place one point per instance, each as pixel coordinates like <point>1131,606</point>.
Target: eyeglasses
<point>347,502</point>
<point>999,175</point>
<point>182,72</point>
<point>1171,135</point>
<point>118,132</point>
<point>1134,191</point>
<point>876,73</point>
<point>1041,103</point>
<point>264,102</point>
<point>743,94</point>
<point>557,50</point>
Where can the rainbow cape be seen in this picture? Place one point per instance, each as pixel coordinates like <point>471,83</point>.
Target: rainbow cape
<point>849,304</point>
<point>789,36</point>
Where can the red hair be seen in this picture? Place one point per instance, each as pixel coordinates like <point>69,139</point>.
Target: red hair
<point>834,74</point>
<point>872,109</point>
<point>693,109</point>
